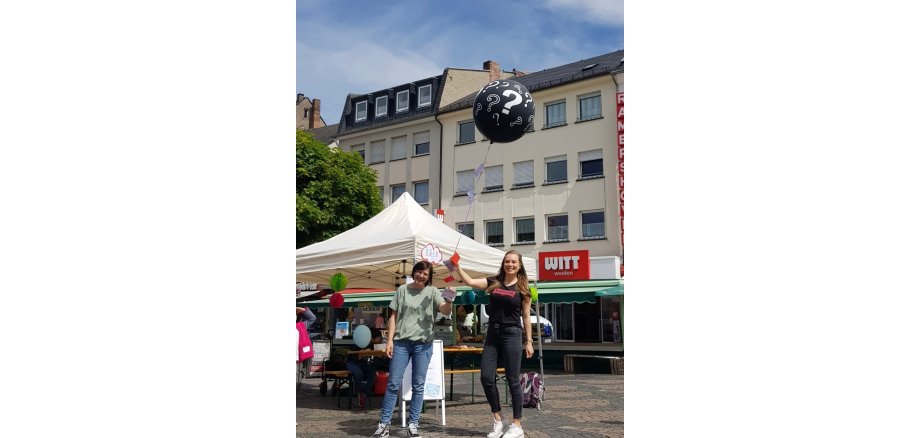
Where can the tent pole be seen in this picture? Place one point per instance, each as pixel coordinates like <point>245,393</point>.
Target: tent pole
<point>539,338</point>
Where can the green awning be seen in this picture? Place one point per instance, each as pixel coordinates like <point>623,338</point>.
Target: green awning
<point>549,292</point>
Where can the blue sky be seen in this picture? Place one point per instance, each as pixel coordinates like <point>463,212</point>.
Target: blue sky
<point>363,46</point>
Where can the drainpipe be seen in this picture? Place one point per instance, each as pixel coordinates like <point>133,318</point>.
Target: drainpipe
<point>440,159</point>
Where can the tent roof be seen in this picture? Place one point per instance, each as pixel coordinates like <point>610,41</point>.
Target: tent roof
<point>380,252</point>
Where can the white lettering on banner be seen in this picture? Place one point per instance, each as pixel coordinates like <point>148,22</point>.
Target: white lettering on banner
<point>566,262</point>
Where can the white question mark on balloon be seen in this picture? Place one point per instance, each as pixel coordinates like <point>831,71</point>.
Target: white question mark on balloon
<point>492,99</point>
<point>517,121</point>
<point>496,118</point>
<point>529,99</point>
<point>511,103</point>
<point>478,107</point>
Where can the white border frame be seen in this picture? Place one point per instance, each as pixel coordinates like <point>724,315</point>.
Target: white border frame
<point>406,93</point>
<point>420,103</point>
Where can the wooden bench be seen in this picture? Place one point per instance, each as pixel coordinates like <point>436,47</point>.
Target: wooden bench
<point>616,363</point>
<point>499,371</point>
<point>341,379</point>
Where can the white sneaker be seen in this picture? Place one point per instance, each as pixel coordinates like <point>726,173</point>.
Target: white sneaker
<point>514,431</point>
<point>497,427</point>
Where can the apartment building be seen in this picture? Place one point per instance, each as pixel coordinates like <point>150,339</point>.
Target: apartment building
<point>556,189</point>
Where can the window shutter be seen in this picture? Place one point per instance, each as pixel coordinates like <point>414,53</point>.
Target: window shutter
<point>590,155</point>
<point>377,152</point>
<point>464,181</point>
<point>399,148</point>
<point>422,137</point>
<point>494,176</point>
<point>523,172</point>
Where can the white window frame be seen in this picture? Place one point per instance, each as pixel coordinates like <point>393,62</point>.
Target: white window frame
<point>600,112</point>
<point>555,159</point>
<point>460,128</point>
<point>594,155</point>
<point>415,141</point>
<point>471,225</point>
<point>415,186</point>
<point>549,229</point>
<point>581,217</point>
<point>494,174</point>
<point>462,175</point>
<point>533,227</point>
<point>398,95</point>
<point>359,111</point>
<point>518,172</point>
<point>428,102</point>
<point>382,147</point>
<point>395,152</point>
<point>485,237</point>
<point>380,189</point>
<point>546,122</point>
<point>393,187</point>
<point>377,106</point>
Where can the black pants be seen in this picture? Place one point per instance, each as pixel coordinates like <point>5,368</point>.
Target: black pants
<point>364,376</point>
<point>502,346</point>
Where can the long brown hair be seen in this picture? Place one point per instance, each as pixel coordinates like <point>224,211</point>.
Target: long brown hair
<point>523,284</point>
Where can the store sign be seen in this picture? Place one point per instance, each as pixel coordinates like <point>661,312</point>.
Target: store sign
<point>564,265</point>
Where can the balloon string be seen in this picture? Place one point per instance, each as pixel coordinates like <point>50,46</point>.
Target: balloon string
<point>470,206</point>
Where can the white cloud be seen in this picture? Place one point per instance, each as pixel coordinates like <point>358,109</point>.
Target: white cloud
<point>607,12</point>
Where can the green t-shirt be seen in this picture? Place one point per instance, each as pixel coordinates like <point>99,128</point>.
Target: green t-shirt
<point>416,310</point>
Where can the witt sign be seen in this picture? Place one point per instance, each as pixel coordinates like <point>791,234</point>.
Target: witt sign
<point>565,265</point>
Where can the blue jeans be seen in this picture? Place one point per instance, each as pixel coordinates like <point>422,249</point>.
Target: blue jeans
<point>403,351</point>
<point>364,376</point>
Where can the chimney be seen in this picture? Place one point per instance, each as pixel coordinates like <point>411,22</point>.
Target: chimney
<point>315,115</point>
<point>299,97</point>
<point>518,74</point>
<point>495,71</point>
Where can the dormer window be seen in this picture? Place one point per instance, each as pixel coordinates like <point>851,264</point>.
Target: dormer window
<point>402,101</point>
<point>361,111</point>
<point>381,104</point>
<point>424,95</point>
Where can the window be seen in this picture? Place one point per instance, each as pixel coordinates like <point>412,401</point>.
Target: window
<point>465,179</point>
<point>467,132</point>
<point>557,227</point>
<point>466,229</point>
<point>495,235</point>
<point>359,148</point>
<point>523,174</point>
<point>592,224</point>
<point>380,191</point>
<point>424,95</point>
<point>361,111</point>
<point>555,169</point>
<point>396,191</point>
<point>592,163</point>
<point>402,101</point>
<point>555,114</point>
<point>381,104</point>
<point>523,230</point>
<point>422,145</point>
<point>377,152</point>
<point>589,106</point>
<point>493,178</point>
<point>398,148</point>
<point>420,192</point>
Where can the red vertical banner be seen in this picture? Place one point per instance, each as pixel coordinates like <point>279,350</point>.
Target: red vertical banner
<point>620,159</point>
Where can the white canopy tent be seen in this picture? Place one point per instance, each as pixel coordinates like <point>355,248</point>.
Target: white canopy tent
<point>380,252</point>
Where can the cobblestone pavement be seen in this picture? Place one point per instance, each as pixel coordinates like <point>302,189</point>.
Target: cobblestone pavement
<point>575,405</point>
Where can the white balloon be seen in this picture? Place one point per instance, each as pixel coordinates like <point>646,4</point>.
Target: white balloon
<point>362,336</point>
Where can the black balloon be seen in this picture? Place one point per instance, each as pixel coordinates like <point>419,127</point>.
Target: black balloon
<point>503,110</point>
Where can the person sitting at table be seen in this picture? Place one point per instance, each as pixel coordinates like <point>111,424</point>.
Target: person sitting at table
<point>363,371</point>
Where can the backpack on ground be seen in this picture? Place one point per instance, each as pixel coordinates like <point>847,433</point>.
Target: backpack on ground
<point>532,390</point>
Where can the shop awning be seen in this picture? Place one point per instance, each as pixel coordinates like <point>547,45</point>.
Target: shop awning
<point>549,292</point>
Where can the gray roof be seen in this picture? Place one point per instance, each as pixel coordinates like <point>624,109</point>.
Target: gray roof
<point>346,124</point>
<point>553,77</point>
<point>324,134</point>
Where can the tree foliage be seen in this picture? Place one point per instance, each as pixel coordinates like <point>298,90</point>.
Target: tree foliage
<point>335,190</point>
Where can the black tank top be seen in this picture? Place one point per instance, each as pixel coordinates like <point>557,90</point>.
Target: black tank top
<point>505,304</point>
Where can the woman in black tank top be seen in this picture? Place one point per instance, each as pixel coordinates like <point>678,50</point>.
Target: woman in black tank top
<point>509,301</point>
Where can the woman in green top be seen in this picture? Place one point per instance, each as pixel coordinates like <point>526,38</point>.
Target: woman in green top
<point>410,334</point>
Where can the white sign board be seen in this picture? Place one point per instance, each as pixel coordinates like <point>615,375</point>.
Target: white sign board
<point>320,353</point>
<point>434,381</point>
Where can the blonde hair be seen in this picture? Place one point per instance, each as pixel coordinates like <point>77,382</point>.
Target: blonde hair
<point>523,284</point>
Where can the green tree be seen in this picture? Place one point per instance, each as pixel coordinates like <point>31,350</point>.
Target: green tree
<point>335,190</point>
